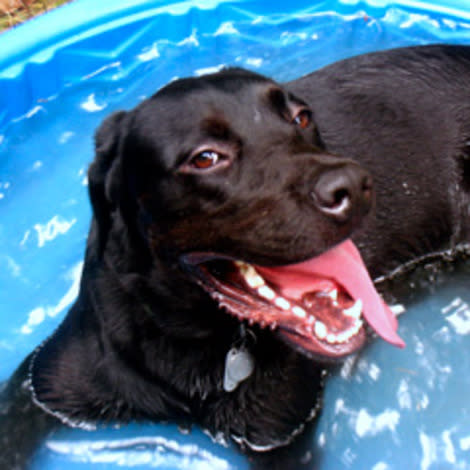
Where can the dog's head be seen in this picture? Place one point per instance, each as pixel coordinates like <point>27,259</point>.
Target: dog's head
<point>224,177</point>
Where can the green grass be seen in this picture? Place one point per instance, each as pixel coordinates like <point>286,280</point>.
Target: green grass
<point>24,13</point>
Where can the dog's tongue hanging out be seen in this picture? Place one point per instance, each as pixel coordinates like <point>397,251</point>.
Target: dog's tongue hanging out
<point>342,265</point>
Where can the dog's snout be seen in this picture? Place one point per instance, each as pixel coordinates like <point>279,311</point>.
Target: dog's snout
<point>343,193</point>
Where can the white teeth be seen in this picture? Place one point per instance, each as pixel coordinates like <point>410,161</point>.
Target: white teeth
<point>299,312</point>
<point>333,295</point>
<point>354,311</point>
<point>252,278</point>
<point>282,303</point>
<point>357,326</point>
<point>342,337</point>
<point>266,292</point>
<point>320,330</point>
<point>331,338</point>
<point>254,281</point>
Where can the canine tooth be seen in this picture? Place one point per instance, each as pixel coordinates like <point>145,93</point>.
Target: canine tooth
<point>252,278</point>
<point>281,302</point>
<point>333,295</point>
<point>266,292</point>
<point>299,312</point>
<point>354,311</point>
<point>320,330</point>
<point>357,326</point>
<point>254,281</point>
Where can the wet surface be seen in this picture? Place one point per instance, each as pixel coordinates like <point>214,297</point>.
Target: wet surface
<point>387,409</point>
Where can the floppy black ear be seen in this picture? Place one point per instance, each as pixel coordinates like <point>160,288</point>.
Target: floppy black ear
<point>104,175</point>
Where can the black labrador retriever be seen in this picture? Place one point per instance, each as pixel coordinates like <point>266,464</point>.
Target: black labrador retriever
<point>219,271</point>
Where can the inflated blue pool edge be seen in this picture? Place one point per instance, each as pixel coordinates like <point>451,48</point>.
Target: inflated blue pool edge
<point>82,17</point>
<point>28,51</point>
<point>39,60</point>
<point>69,23</point>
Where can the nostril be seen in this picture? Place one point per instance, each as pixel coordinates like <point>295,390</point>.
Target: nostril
<point>343,193</point>
<point>332,193</point>
<point>335,203</point>
<point>340,197</point>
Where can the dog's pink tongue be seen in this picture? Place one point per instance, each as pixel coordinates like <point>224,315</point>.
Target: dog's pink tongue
<point>343,264</point>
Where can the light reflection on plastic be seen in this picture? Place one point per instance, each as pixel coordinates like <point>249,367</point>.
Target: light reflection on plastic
<point>149,54</point>
<point>254,62</point>
<point>56,226</point>
<point>66,136</point>
<point>190,40</point>
<point>458,315</point>
<point>207,70</point>
<point>436,449</point>
<point>226,28</point>
<point>39,314</point>
<point>370,425</point>
<point>91,105</point>
<point>102,69</point>
<point>13,267</point>
<point>152,451</point>
<point>404,396</point>
<point>32,112</point>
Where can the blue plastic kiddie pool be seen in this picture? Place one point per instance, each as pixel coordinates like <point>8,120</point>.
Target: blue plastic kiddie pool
<point>62,73</point>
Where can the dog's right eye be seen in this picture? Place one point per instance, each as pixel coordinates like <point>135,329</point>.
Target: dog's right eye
<point>205,161</point>
<point>303,118</point>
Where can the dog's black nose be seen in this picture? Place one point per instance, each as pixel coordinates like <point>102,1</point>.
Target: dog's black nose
<point>344,192</point>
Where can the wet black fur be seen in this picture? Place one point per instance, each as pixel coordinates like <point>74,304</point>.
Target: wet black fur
<point>143,340</point>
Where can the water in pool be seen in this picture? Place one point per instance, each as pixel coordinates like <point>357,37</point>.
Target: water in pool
<point>418,417</point>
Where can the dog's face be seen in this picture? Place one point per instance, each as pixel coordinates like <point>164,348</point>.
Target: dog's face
<point>226,164</point>
<point>222,176</point>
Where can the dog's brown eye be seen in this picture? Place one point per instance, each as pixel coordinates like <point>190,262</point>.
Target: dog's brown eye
<point>204,160</point>
<point>303,119</point>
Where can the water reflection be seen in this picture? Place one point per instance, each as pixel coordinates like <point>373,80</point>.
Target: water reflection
<point>39,314</point>
<point>407,409</point>
<point>49,231</point>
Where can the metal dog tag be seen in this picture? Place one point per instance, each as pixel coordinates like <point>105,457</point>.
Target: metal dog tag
<point>239,365</point>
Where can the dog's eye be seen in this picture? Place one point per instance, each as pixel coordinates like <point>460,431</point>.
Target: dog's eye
<point>204,160</point>
<point>303,118</point>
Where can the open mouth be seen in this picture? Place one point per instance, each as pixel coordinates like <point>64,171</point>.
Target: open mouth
<point>320,306</point>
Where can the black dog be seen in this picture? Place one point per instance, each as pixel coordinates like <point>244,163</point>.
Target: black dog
<point>218,270</point>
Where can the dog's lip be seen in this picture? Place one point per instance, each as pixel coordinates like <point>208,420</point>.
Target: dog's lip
<point>199,257</point>
<point>325,329</point>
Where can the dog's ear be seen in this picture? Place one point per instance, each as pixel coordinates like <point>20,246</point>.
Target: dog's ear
<point>104,175</point>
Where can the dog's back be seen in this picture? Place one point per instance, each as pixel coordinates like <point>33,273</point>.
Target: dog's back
<point>404,114</point>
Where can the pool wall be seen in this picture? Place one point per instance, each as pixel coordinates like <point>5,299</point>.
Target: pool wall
<point>63,72</point>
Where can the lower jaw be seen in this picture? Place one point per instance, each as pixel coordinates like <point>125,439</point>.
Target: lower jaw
<point>323,352</point>
<point>342,333</point>
<point>262,316</point>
